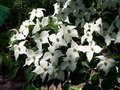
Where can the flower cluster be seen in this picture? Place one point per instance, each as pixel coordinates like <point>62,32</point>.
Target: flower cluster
<point>52,50</point>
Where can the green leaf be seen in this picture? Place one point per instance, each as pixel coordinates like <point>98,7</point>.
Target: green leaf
<point>28,86</point>
<point>13,66</point>
<point>4,13</point>
<point>8,61</point>
<point>29,75</point>
<point>84,63</point>
<point>13,71</point>
<point>95,79</point>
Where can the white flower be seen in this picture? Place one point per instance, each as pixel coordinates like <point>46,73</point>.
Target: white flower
<point>60,75</point>
<point>105,64</point>
<point>17,36</point>
<point>87,36</point>
<point>36,27</point>
<point>63,17</point>
<point>39,25</point>
<point>91,49</point>
<point>44,21</point>
<point>111,37</point>
<point>19,49</point>
<point>94,26</point>
<point>57,40</point>
<point>117,37</point>
<point>88,27</point>
<point>24,28</point>
<point>43,69</point>
<point>68,64</point>
<point>57,73</point>
<point>75,6</point>
<point>98,26</point>
<point>73,51</point>
<point>66,4</point>
<point>36,13</point>
<point>41,39</point>
<point>33,57</point>
<point>69,32</point>
<point>53,55</point>
<point>107,40</point>
<point>56,8</point>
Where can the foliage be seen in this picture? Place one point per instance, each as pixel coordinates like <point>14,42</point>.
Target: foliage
<point>65,41</point>
<point>4,12</point>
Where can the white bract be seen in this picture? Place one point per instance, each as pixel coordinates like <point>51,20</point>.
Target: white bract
<point>68,63</point>
<point>24,28</point>
<point>19,49</point>
<point>107,40</point>
<point>69,32</point>
<point>88,27</point>
<point>98,26</point>
<point>53,55</point>
<point>105,63</point>
<point>57,39</point>
<point>87,36</point>
<point>63,17</point>
<point>43,69</point>
<point>33,57</point>
<point>91,49</point>
<point>41,38</point>
<point>117,37</point>
<point>36,27</point>
<point>57,73</point>
<point>15,37</point>
<point>56,8</point>
<point>36,13</point>
<point>73,50</point>
<point>94,26</point>
<point>39,25</point>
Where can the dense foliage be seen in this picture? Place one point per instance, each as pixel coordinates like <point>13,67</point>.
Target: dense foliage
<point>65,43</point>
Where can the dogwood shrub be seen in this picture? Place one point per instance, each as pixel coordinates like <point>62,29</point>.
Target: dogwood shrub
<point>74,40</point>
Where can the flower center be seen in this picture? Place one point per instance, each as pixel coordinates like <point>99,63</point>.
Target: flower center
<point>15,37</point>
<point>88,34</point>
<point>69,31</point>
<point>105,63</point>
<point>26,26</point>
<point>36,12</point>
<point>45,69</point>
<point>74,50</point>
<point>41,40</point>
<point>69,61</point>
<point>52,54</point>
<point>89,26</point>
<point>99,25</point>
<point>92,49</point>
<point>57,39</point>
<point>33,57</point>
<point>19,48</point>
